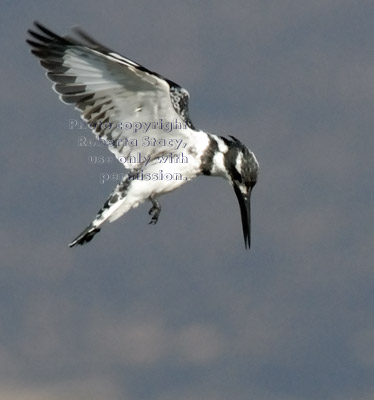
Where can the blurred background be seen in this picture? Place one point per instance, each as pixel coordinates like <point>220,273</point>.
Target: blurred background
<point>180,311</point>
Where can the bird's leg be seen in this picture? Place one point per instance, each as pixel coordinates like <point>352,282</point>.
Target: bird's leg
<point>155,210</point>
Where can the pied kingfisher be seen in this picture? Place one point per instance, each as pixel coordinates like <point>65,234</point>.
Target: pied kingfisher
<point>111,92</point>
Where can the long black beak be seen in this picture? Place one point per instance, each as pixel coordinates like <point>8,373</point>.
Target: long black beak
<point>245,211</point>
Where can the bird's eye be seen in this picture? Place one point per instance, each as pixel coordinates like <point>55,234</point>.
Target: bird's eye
<point>236,174</point>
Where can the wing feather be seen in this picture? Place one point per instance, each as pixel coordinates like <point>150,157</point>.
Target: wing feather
<point>109,89</point>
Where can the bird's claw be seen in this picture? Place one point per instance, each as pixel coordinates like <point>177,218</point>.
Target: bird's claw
<point>154,211</point>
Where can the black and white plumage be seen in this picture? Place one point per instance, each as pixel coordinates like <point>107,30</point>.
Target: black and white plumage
<point>109,89</point>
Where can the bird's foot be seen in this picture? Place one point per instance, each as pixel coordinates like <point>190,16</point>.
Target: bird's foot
<point>154,211</point>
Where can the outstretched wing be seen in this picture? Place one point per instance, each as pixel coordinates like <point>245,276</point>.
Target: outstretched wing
<point>118,98</point>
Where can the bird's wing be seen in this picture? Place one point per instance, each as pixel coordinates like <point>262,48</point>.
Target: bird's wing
<point>117,97</point>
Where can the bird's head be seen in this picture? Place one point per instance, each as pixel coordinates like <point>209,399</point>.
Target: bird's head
<point>242,167</point>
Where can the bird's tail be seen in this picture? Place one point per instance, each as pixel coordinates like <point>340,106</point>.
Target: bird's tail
<point>111,210</point>
<point>85,236</point>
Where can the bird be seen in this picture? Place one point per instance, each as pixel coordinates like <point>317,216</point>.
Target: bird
<point>163,150</point>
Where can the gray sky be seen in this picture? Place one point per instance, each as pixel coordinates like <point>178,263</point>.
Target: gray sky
<point>180,311</point>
